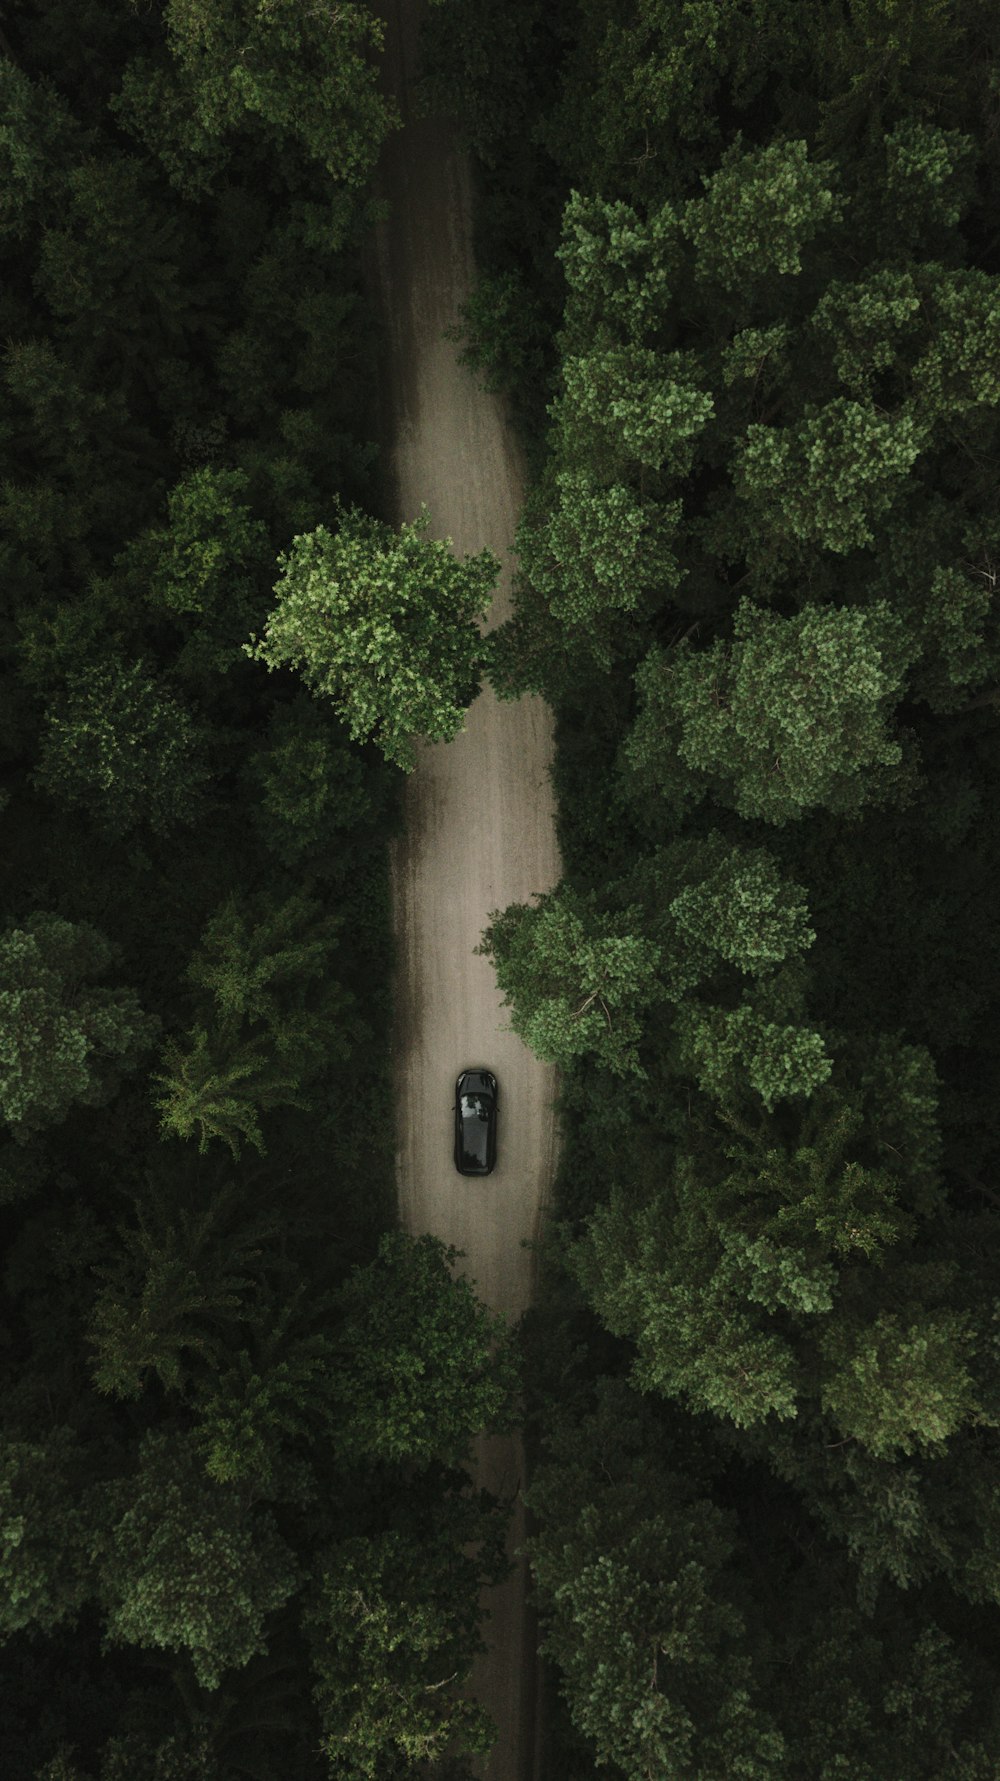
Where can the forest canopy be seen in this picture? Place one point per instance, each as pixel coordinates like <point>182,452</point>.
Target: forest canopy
<point>740,284</point>
<point>238,1536</point>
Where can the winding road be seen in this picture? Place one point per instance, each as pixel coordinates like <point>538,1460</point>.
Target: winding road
<point>479,817</point>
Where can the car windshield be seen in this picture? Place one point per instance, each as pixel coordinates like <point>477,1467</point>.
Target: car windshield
<point>476,1106</point>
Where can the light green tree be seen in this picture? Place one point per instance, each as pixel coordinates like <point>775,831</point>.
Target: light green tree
<point>577,979</point>
<point>789,715</point>
<point>760,209</point>
<point>384,624</point>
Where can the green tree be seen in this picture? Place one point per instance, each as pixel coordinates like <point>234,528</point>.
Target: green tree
<point>266,966</point>
<point>307,74</point>
<point>383,623</point>
<point>637,1608</point>
<point>45,1533</point>
<point>788,716</point>
<point>217,1086</point>
<point>63,1038</point>
<point>123,748</point>
<point>182,1279</point>
<point>207,567</point>
<point>307,786</point>
<point>393,1627</point>
<point>188,1565</point>
<point>421,1365</point>
<point>578,980</point>
<point>760,208</point>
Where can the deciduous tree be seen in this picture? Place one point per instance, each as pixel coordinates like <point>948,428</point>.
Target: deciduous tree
<point>384,625</point>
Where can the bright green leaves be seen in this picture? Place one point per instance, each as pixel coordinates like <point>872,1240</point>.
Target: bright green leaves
<point>759,210</point>
<point>421,1365</point>
<point>745,911</point>
<point>599,551</point>
<point>586,980</point>
<point>190,1566</point>
<point>63,1038</point>
<point>867,324</point>
<point>618,267</point>
<point>577,979</point>
<point>384,624</point>
<point>726,1050</point>
<point>927,177</point>
<point>791,715</point>
<point>628,408</point>
<point>217,1087</point>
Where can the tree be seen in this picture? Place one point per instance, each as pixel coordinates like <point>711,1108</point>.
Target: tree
<point>307,74</point>
<point>384,625</point>
<point>307,785</point>
<point>63,1039</point>
<point>205,567</point>
<point>45,1533</point>
<point>392,1626</point>
<point>188,1565</point>
<point>789,716</point>
<point>217,1086</point>
<point>578,979</point>
<point>629,407</point>
<point>599,551</point>
<point>266,967</point>
<point>637,1606</point>
<point>760,208</point>
<point>123,748</point>
<point>181,1281</point>
<point>421,1365</point>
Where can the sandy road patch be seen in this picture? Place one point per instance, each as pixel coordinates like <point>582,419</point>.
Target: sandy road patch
<point>480,829</point>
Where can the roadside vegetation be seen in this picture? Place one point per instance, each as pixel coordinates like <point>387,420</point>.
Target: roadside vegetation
<point>741,284</point>
<point>237,1534</point>
<point>741,287</point>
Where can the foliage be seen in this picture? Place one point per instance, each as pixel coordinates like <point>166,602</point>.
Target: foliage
<point>384,625</point>
<point>420,1363</point>
<point>389,1650</point>
<point>63,1039</point>
<point>575,977</point>
<point>188,1565</point>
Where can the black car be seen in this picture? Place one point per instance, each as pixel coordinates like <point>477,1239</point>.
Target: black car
<point>475,1122</point>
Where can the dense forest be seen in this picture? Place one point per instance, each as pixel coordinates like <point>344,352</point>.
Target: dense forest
<point>237,1534</point>
<point>741,289</point>
<point>741,282</point>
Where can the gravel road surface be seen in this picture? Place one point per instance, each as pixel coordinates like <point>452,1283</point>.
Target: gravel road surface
<point>479,830</point>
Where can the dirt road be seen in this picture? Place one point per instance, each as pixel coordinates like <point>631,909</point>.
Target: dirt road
<point>479,828</point>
